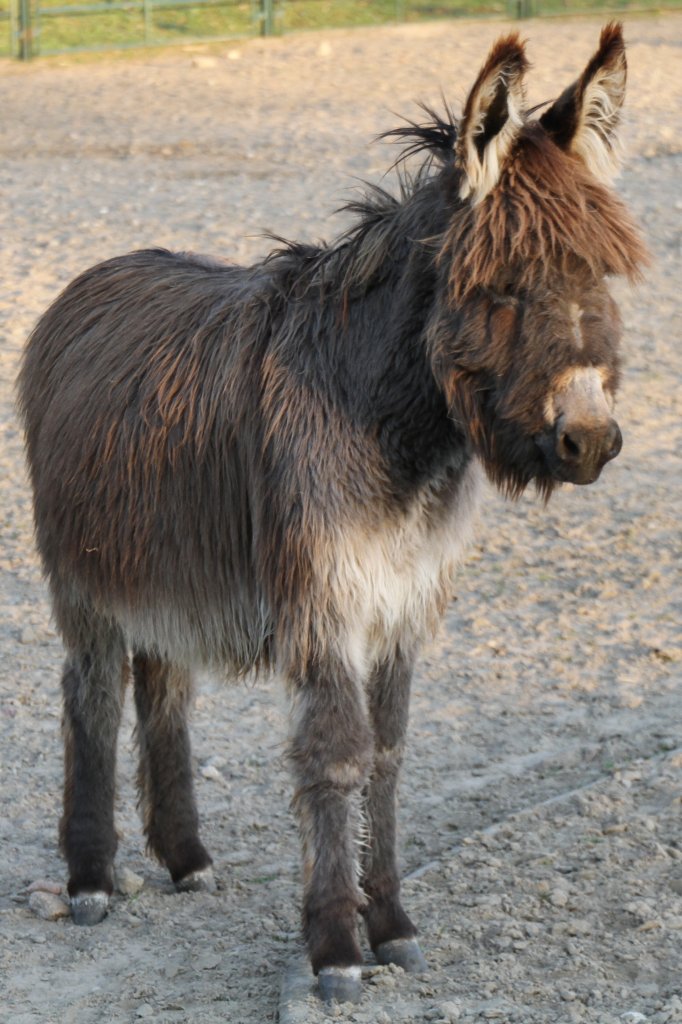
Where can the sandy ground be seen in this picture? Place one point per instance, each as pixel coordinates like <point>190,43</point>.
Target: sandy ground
<point>541,824</point>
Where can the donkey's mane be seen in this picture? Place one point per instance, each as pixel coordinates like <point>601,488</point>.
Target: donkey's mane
<point>383,221</point>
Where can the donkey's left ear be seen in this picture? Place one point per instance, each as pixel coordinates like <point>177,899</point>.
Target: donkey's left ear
<point>492,118</point>
<point>585,118</point>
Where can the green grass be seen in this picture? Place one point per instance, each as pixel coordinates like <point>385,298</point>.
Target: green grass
<point>303,14</point>
<point>120,28</point>
<point>5,29</point>
<point>111,29</point>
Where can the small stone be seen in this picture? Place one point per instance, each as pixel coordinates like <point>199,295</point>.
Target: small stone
<point>45,885</point>
<point>450,1011</point>
<point>209,771</point>
<point>48,906</point>
<point>144,1010</point>
<point>127,882</point>
<point>640,910</point>
<point>234,55</point>
<point>382,1017</point>
<point>558,897</point>
<point>28,636</point>
<point>633,1017</point>
<point>204,62</point>
<point>324,49</point>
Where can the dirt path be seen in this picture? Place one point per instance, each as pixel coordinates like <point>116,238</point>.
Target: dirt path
<point>558,667</point>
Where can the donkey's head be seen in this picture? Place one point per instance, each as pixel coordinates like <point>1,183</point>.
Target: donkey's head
<point>526,343</point>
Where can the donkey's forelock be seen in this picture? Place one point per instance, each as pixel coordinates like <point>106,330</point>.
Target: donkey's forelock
<point>547,214</point>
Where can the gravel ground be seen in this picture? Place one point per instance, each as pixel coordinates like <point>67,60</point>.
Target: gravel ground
<point>541,824</point>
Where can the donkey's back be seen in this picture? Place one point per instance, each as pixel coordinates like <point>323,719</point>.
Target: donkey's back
<point>138,389</point>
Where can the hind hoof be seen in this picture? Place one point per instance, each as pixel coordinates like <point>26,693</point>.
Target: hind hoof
<point>341,983</point>
<point>197,881</point>
<point>404,953</point>
<point>89,909</point>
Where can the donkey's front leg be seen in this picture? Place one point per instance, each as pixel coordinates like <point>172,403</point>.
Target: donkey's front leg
<point>331,750</point>
<point>390,931</point>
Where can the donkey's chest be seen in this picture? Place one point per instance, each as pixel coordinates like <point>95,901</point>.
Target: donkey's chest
<point>392,583</point>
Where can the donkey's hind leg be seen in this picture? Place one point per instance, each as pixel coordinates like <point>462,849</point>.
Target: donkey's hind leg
<point>93,684</point>
<point>391,933</point>
<point>171,822</point>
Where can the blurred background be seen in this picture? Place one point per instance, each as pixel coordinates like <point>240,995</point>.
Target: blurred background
<point>32,27</point>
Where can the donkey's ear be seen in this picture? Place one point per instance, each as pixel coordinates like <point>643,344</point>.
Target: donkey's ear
<point>492,118</point>
<point>585,118</point>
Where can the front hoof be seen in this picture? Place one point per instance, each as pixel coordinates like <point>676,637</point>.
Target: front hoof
<point>341,983</point>
<point>197,881</point>
<point>404,953</point>
<point>90,908</point>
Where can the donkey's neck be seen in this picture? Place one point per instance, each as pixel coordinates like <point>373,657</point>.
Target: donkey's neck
<point>364,344</point>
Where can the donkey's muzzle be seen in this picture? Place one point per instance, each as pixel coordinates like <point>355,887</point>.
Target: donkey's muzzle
<point>577,453</point>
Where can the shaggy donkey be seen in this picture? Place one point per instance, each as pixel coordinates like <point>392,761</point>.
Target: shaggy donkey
<point>276,466</point>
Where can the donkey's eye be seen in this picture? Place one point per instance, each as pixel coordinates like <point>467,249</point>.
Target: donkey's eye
<point>505,292</point>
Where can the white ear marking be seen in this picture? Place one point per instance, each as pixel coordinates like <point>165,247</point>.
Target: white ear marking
<point>493,116</point>
<point>585,118</point>
<point>596,139</point>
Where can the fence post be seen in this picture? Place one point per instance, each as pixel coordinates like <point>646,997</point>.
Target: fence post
<point>148,22</point>
<point>267,17</point>
<point>25,33</point>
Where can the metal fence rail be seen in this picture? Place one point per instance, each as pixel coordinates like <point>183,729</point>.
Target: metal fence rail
<point>29,28</point>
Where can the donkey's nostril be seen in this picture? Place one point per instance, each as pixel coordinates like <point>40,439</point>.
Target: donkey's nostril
<point>614,441</point>
<point>569,446</point>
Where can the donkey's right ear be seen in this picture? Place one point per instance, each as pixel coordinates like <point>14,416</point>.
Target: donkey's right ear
<point>492,118</point>
<point>585,118</point>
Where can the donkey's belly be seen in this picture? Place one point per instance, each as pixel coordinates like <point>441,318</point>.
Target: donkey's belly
<point>392,584</point>
<point>228,637</point>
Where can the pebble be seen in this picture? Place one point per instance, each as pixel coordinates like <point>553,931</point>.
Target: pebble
<point>558,897</point>
<point>48,906</point>
<point>204,62</point>
<point>209,771</point>
<point>450,1011</point>
<point>45,885</point>
<point>127,882</point>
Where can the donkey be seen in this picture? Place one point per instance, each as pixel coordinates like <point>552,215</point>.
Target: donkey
<point>277,466</point>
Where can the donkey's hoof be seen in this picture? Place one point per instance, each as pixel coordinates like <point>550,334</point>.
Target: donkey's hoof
<point>404,953</point>
<point>341,983</point>
<point>197,881</point>
<point>90,908</point>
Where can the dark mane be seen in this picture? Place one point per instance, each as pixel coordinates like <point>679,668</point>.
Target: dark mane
<point>436,137</point>
<point>383,221</point>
